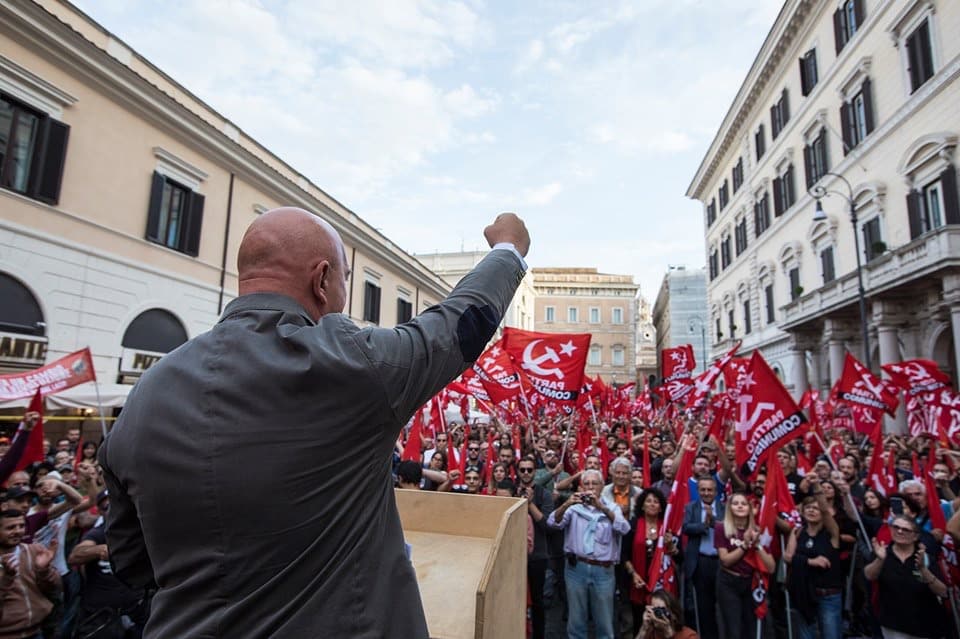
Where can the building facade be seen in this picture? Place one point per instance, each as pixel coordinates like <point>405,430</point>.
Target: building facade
<point>581,300</point>
<point>680,314</point>
<point>123,199</point>
<point>858,98</point>
<point>453,266</point>
<point>646,341</point>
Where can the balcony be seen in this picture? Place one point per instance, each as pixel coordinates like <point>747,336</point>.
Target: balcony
<point>921,257</point>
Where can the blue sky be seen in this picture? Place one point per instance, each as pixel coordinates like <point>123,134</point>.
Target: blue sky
<point>428,117</point>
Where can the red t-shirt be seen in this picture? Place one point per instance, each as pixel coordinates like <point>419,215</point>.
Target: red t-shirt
<point>721,541</point>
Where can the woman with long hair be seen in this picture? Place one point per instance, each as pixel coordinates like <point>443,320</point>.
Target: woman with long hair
<point>735,537</point>
<point>438,465</point>
<point>638,546</point>
<point>89,452</point>
<point>663,619</point>
<point>497,474</point>
<point>816,576</point>
<point>908,584</point>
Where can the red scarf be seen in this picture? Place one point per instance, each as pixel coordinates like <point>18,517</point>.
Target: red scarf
<point>638,557</point>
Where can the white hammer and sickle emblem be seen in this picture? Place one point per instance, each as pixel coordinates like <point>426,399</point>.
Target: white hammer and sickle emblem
<point>534,364</point>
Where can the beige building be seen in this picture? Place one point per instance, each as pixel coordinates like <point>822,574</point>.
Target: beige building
<point>123,199</point>
<point>453,266</point>
<point>581,300</point>
<point>855,92</point>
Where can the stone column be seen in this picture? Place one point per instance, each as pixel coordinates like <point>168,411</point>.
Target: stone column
<point>798,368</point>
<point>889,354</point>
<point>835,350</point>
<point>951,295</point>
<point>816,361</point>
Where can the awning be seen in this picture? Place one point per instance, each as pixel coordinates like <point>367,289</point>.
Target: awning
<point>82,396</point>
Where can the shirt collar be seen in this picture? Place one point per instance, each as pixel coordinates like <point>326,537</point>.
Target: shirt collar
<point>265,302</point>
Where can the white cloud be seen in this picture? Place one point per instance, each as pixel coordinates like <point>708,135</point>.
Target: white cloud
<point>541,196</point>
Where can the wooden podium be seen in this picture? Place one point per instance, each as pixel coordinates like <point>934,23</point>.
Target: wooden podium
<point>470,555</point>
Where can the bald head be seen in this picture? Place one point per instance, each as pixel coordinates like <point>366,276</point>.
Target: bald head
<point>297,254</point>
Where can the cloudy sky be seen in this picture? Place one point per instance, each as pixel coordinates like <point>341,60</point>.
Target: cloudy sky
<point>428,117</point>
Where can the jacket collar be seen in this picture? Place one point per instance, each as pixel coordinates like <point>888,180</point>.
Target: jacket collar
<point>265,302</point>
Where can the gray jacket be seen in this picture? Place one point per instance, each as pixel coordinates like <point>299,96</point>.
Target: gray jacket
<point>249,472</point>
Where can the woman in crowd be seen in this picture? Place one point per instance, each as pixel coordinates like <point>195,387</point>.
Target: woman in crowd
<point>734,537</point>
<point>816,577</point>
<point>638,546</point>
<point>909,584</point>
<point>438,464</point>
<point>663,619</point>
<point>89,452</point>
<point>497,474</point>
<point>875,510</point>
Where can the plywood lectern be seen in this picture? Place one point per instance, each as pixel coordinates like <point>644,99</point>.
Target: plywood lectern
<point>470,555</point>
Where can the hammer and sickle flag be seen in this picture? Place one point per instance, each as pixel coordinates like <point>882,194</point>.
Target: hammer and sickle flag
<point>553,362</point>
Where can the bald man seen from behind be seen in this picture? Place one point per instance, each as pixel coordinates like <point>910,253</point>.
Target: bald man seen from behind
<point>249,472</point>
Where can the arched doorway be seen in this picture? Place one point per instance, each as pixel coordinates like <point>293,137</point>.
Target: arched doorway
<point>23,341</point>
<point>151,335</point>
<point>943,354</point>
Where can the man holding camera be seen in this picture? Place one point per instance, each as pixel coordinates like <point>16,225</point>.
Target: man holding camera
<point>592,530</point>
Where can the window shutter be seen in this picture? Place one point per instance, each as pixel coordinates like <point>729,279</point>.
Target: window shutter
<point>825,146</point>
<point>777,199</point>
<point>774,129</point>
<point>948,181</point>
<point>838,29</point>
<point>47,170</point>
<point>191,244</point>
<point>153,212</point>
<point>791,193</point>
<point>867,91</point>
<point>913,214</point>
<point>845,126</point>
<point>785,107</point>
<point>858,12</point>
<point>804,84</point>
<point>807,168</point>
<point>756,219</point>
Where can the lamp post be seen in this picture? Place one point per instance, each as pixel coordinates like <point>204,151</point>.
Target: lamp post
<point>818,192</point>
<point>703,336</point>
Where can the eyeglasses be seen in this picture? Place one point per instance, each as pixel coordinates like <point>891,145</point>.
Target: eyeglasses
<point>473,449</point>
<point>524,470</point>
<point>903,530</point>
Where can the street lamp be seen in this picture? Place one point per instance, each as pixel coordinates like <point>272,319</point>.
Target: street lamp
<point>818,192</point>
<point>703,336</point>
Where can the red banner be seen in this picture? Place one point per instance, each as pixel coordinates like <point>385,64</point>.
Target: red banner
<point>497,373</point>
<point>865,393</point>
<point>766,417</point>
<point>35,450</point>
<point>553,362</point>
<point>66,372</point>
<point>705,381</point>
<point>677,365</point>
<point>917,376</point>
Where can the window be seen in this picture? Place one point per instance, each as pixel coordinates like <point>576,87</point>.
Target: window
<point>714,264</point>
<point>717,329</point>
<point>826,265</point>
<point>572,315</point>
<point>594,315</point>
<point>794,277</point>
<point>919,56</point>
<point>761,214</point>
<point>808,72</point>
<point>730,323</point>
<point>746,317</point>
<point>846,21</point>
<point>724,194</point>
<point>175,216</point>
<point>371,302</point>
<point>33,147</point>
<point>617,316</point>
<point>784,194</point>
<point>856,117</point>
<point>816,158</point>
<point>873,245</point>
<point>738,175</point>
<point>740,236</point>
<point>779,115</point>
<point>617,355</point>
<point>711,213</point>
<point>725,252</point>
<point>404,311</point>
<point>594,358</point>
<point>760,141</point>
<point>768,298</point>
<point>550,314</point>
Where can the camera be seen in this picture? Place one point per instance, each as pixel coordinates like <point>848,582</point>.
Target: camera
<point>661,613</point>
<point>587,498</point>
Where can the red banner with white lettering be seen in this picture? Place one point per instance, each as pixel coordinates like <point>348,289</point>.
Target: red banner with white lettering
<point>497,373</point>
<point>767,417</point>
<point>553,362</point>
<point>867,395</point>
<point>705,381</point>
<point>66,372</point>
<point>677,365</point>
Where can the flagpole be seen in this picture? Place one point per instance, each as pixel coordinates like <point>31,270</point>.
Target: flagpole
<point>863,529</point>
<point>786,591</point>
<point>103,423</point>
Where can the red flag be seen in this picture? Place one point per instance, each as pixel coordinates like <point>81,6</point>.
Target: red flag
<point>411,451</point>
<point>66,372</point>
<point>437,422</point>
<point>938,521</point>
<point>452,457</point>
<point>662,569</point>
<point>767,416</point>
<point>923,415</point>
<point>777,501</point>
<point>491,458</point>
<point>463,453</point>
<point>553,362</point>
<point>34,451</point>
<point>879,477</point>
<point>917,376</point>
<point>647,476</point>
<point>734,371</point>
<point>866,394</point>
<point>677,365</point>
<point>705,381</point>
<point>497,373</point>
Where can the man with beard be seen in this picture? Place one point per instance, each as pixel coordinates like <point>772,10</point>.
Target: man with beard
<point>539,506</point>
<point>28,581</point>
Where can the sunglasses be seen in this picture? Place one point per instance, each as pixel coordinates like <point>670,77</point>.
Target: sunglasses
<point>524,470</point>
<point>903,530</point>
<point>473,450</point>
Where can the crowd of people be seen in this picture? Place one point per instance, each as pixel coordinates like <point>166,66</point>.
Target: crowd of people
<point>850,560</point>
<point>55,575</point>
